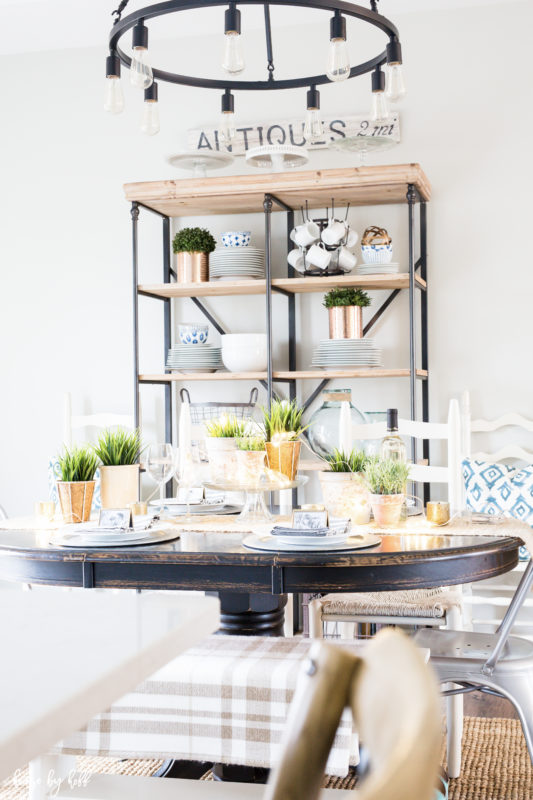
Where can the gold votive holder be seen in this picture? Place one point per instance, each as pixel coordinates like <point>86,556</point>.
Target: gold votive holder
<point>45,510</point>
<point>139,509</point>
<point>438,513</point>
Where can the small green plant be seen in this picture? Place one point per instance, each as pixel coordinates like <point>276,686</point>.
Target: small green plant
<point>193,240</point>
<point>256,443</point>
<point>78,464</point>
<point>346,297</point>
<point>116,448</point>
<point>283,420</point>
<point>227,427</point>
<point>386,476</point>
<point>339,461</point>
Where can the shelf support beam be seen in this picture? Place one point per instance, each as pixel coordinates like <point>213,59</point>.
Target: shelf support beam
<point>267,207</point>
<point>411,200</point>
<point>135,265</point>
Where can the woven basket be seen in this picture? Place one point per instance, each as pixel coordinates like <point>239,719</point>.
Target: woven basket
<point>375,235</point>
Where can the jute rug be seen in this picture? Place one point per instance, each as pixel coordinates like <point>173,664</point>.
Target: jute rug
<point>496,766</point>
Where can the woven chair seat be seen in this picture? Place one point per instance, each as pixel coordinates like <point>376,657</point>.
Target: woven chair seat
<point>431,603</point>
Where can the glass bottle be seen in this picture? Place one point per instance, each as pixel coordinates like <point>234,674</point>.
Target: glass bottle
<point>392,446</point>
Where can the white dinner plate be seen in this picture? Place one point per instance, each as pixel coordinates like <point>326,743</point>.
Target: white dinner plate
<point>313,541</point>
<point>79,540</point>
<point>354,542</point>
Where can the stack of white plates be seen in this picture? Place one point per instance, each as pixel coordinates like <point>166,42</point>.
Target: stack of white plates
<point>346,353</point>
<point>195,358</point>
<point>237,262</point>
<point>378,269</point>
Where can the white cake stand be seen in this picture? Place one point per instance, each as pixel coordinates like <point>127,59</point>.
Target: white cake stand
<point>254,509</point>
<point>277,157</point>
<point>363,145</point>
<point>199,162</point>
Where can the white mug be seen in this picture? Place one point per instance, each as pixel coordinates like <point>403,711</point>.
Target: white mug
<point>318,256</point>
<point>334,232</point>
<point>296,259</point>
<point>347,260</point>
<point>306,234</point>
<point>352,238</point>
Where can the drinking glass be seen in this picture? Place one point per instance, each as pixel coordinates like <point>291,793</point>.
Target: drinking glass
<point>160,465</point>
<point>188,473</point>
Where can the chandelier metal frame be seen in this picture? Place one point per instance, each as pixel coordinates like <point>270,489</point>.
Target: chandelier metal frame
<point>142,15</point>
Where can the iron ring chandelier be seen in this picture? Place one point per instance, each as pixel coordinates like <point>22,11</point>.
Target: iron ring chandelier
<point>145,77</point>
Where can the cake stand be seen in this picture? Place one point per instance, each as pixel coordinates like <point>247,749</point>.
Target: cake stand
<point>254,509</point>
<point>199,162</point>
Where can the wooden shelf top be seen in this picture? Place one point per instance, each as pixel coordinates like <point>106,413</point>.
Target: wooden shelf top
<point>293,285</point>
<point>237,194</point>
<point>369,372</point>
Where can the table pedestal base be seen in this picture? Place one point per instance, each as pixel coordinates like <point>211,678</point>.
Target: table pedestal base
<point>252,614</point>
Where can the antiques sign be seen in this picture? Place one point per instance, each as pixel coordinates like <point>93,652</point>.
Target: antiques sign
<point>290,132</point>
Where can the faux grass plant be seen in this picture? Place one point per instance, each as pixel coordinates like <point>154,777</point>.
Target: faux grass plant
<point>284,419</point>
<point>193,240</point>
<point>346,297</point>
<point>251,443</point>
<point>385,476</point>
<point>78,464</point>
<point>118,448</point>
<point>227,427</point>
<point>339,461</point>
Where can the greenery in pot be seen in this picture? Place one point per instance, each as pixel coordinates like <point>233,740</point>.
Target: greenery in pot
<point>283,421</point>
<point>346,297</point>
<point>227,427</point>
<point>339,461</point>
<point>119,447</point>
<point>78,464</point>
<point>386,476</point>
<point>251,443</point>
<point>193,240</point>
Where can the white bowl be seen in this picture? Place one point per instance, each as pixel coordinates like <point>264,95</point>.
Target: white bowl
<point>245,352</point>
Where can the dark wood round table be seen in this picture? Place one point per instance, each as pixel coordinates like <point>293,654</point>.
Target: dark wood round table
<point>253,585</point>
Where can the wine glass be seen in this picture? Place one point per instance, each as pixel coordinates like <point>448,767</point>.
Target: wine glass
<point>160,465</point>
<point>188,473</point>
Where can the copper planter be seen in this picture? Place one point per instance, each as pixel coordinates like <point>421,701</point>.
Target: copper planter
<point>192,267</point>
<point>345,322</point>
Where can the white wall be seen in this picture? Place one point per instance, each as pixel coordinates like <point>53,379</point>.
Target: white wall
<point>65,320</point>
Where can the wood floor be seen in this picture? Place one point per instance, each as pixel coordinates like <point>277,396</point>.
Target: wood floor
<point>483,705</point>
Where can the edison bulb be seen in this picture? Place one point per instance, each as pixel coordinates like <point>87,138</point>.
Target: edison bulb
<point>233,61</point>
<point>114,96</point>
<point>140,69</point>
<point>338,61</point>
<point>395,86</point>
<point>227,126</point>
<point>150,118</point>
<point>380,111</point>
<point>313,125</point>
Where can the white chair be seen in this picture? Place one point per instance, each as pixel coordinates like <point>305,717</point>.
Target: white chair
<point>487,602</point>
<point>431,607</point>
<point>76,422</point>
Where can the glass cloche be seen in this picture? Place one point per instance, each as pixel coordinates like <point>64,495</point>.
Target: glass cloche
<point>324,433</point>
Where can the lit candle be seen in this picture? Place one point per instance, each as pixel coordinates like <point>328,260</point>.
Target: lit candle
<point>345,428</point>
<point>438,513</point>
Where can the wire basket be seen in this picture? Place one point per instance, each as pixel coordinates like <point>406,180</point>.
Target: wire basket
<point>204,412</point>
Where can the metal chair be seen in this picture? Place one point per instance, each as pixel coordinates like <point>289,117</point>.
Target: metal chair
<point>496,663</point>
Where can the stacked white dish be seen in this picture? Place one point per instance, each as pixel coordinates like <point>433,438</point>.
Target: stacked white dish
<point>378,269</point>
<point>192,358</point>
<point>228,263</point>
<point>343,353</point>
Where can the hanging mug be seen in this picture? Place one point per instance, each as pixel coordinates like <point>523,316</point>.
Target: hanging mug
<point>296,259</point>
<point>318,256</point>
<point>334,233</point>
<point>347,260</point>
<point>351,239</point>
<point>306,234</point>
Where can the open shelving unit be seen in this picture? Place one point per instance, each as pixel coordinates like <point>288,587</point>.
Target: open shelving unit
<point>286,192</point>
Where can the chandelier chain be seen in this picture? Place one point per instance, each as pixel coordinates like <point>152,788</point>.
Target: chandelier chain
<point>117,13</point>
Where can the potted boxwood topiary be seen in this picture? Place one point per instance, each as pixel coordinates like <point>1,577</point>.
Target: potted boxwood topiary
<point>250,455</point>
<point>221,444</point>
<point>76,487</point>
<point>386,481</point>
<point>119,451</point>
<point>345,308</point>
<point>344,488</point>
<point>283,429</point>
<point>192,246</point>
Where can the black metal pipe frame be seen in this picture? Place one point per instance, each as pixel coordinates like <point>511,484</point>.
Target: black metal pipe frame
<point>121,27</point>
<point>411,200</point>
<point>167,323</point>
<point>267,208</point>
<point>135,264</point>
<point>424,336</point>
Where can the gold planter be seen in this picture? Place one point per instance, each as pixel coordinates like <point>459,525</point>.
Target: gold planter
<point>284,458</point>
<point>192,267</point>
<point>119,486</point>
<point>345,322</point>
<point>75,499</point>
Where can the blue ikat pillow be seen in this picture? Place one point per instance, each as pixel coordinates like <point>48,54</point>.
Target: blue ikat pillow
<point>500,489</point>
